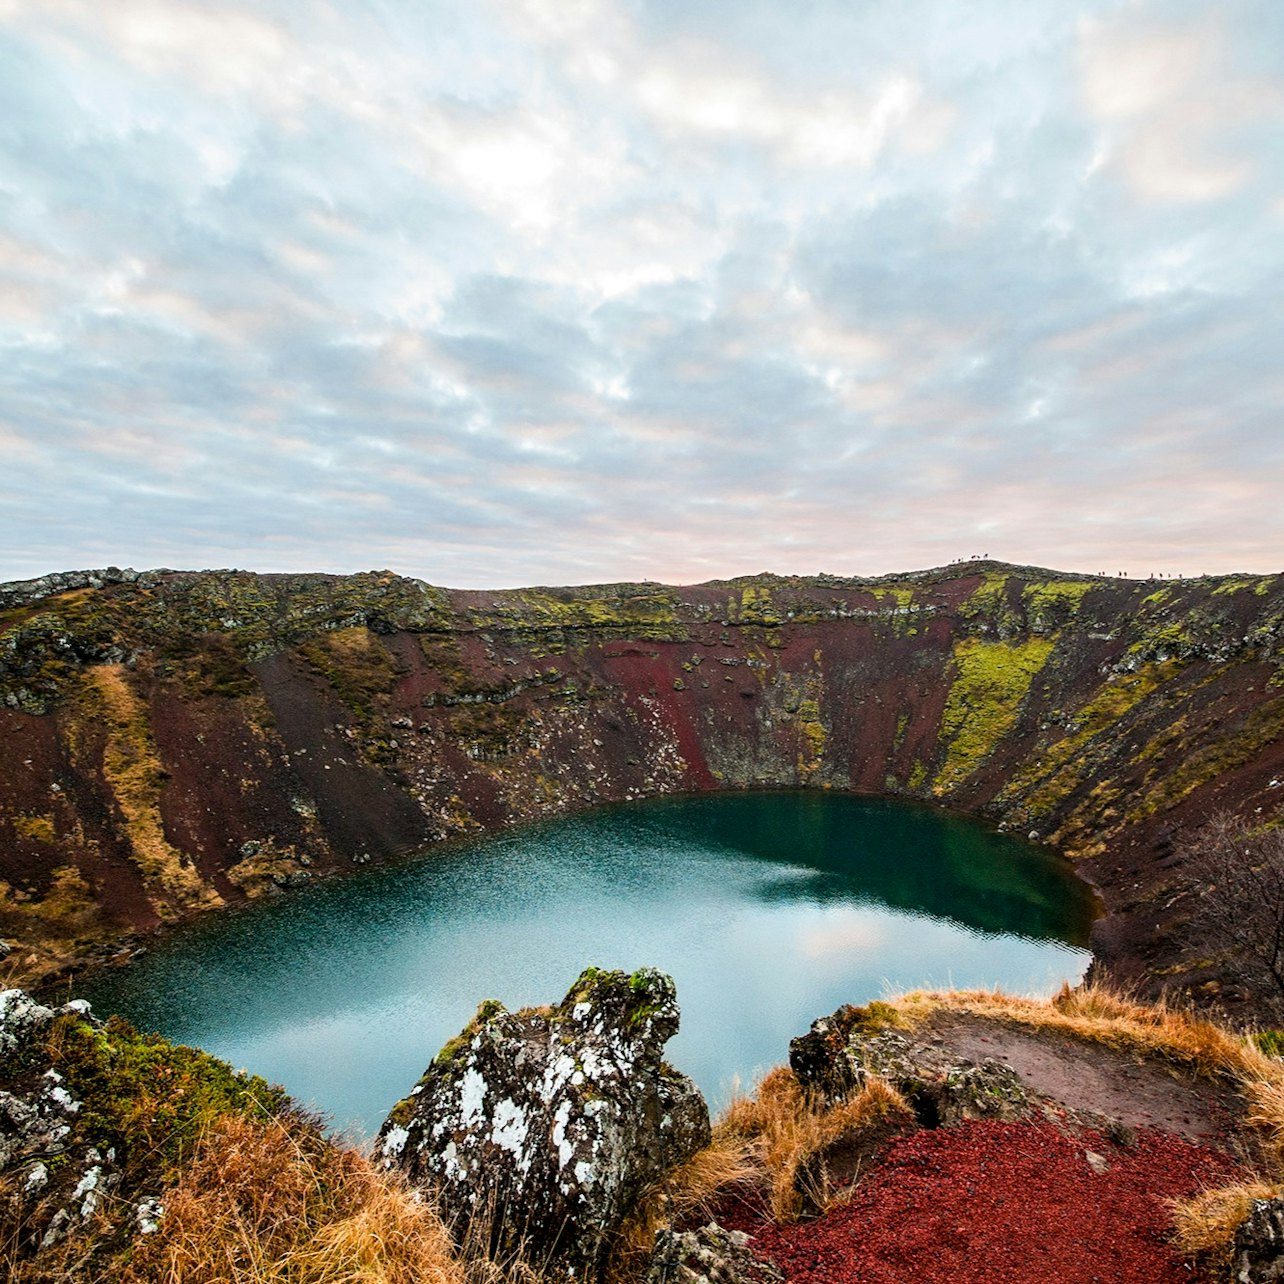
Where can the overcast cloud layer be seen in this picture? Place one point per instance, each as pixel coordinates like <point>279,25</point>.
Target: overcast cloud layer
<point>543,291</point>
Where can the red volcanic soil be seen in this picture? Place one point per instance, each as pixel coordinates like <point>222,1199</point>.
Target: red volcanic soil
<point>1002,1203</point>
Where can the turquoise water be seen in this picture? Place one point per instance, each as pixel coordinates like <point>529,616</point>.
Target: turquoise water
<point>769,909</point>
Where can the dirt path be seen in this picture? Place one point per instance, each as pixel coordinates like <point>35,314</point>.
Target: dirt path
<point>1094,1080</point>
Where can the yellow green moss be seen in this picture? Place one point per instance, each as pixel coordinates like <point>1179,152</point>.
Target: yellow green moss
<point>756,606</point>
<point>811,739</point>
<point>895,595</point>
<point>1238,745</point>
<point>35,829</point>
<point>991,679</point>
<point>641,612</point>
<point>1058,599</point>
<point>1053,774</point>
<point>356,664</point>
<point>1234,586</point>
<point>66,907</point>
<point>132,770</point>
<point>987,598</point>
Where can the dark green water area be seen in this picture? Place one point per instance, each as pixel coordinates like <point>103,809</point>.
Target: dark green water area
<point>768,909</point>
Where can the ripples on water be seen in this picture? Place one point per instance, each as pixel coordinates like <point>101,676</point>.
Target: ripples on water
<point>768,909</point>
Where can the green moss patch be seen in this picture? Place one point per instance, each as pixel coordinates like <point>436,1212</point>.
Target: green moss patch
<point>1051,776</point>
<point>356,665</point>
<point>148,1099</point>
<point>1237,745</point>
<point>1052,603</point>
<point>991,679</point>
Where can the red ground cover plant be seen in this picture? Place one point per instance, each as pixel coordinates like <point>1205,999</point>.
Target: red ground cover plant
<point>996,1203</point>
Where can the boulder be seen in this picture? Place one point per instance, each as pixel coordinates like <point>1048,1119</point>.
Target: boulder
<point>541,1129</point>
<point>1259,1244</point>
<point>840,1051</point>
<point>709,1255</point>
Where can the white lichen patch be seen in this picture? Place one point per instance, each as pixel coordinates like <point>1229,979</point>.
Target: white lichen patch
<point>64,1099</point>
<point>148,1214</point>
<point>88,1187</point>
<point>472,1097</point>
<point>510,1127</point>
<point>394,1141</point>
<point>451,1168</point>
<point>565,1148</point>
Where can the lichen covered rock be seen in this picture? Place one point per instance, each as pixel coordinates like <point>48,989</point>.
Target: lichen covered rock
<point>547,1124</point>
<point>96,1124</point>
<point>836,1056</point>
<point>38,1134</point>
<point>1259,1244</point>
<point>709,1255</point>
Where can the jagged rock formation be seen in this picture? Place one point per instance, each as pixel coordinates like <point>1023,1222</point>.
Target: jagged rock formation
<point>1259,1244</point>
<point>708,1255</point>
<point>173,741</point>
<point>547,1125</point>
<point>840,1052</point>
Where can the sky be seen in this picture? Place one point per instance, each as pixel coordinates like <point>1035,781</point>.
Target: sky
<point>508,292</point>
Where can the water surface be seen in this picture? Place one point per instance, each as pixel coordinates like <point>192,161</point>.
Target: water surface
<point>769,909</point>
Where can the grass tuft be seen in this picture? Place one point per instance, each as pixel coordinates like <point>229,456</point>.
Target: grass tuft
<point>1204,1226</point>
<point>789,1127</point>
<point>268,1204</point>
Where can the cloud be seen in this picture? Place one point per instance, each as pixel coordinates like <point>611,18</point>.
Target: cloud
<point>534,292</point>
<point>1172,100</point>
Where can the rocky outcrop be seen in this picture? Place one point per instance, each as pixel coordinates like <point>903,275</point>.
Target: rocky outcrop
<point>542,1128</point>
<point>1259,1244</point>
<point>838,1054</point>
<point>26,592</point>
<point>709,1255</point>
<point>96,1121</point>
<point>46,1168</point>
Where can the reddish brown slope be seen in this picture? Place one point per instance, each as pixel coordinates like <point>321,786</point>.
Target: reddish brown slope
<point>173,740</point>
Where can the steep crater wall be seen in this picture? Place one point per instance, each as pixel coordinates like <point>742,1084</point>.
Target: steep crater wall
<point>173,741</point>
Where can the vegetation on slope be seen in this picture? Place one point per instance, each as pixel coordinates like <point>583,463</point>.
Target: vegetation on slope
<point>1103,715</point>
<point>250,1188</point>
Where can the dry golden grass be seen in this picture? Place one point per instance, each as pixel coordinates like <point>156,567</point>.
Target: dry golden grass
<point>759,1147</point>
<point>691,1190</point>
<point>789,1126</point>
<point>1205,1225</point>
<point>1266,1108</point>
<point>268,1204</point>
<point>131,767</point>
<point>1099,1015</point>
